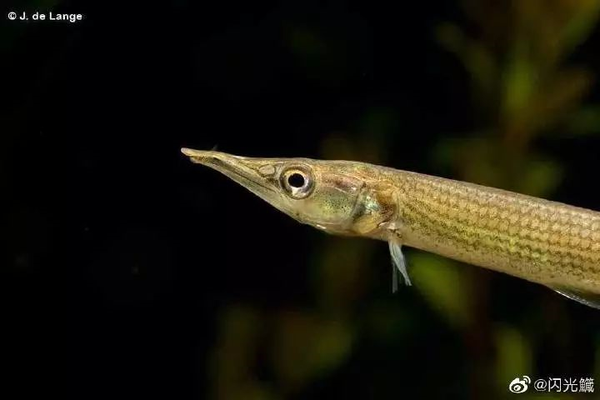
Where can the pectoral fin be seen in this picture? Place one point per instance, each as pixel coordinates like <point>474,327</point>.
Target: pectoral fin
<point>399,264</point>
<point>587,298</point>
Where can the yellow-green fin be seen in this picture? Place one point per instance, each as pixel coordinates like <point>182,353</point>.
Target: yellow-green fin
<point>587,298</point>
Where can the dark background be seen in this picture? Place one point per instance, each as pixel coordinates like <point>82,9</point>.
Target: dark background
<point>121,250</point>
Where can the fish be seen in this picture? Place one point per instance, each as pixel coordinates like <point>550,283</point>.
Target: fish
<point>541,241</point>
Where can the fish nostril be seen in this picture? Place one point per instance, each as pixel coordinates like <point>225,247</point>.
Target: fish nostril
<point>266,170</point>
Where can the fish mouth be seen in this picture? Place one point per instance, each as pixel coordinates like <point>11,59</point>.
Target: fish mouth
<point>242,170</point>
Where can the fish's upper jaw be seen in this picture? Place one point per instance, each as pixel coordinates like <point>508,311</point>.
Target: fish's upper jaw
<point>203,156</point>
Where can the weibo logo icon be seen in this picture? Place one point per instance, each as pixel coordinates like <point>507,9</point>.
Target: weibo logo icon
<point>519,385</point>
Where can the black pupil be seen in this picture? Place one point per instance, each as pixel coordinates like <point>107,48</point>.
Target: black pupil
<point>296,180</point>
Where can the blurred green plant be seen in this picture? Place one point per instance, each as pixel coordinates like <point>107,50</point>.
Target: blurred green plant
<point>439,279</point>
<point>515,356</point>
<point>308,346</point>
<point>235,354</point>
<point>522,87</point>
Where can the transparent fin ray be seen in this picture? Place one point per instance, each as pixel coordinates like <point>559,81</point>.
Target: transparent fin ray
<point>395,279</point>
<point>399,264</point>
<point>586,298</point>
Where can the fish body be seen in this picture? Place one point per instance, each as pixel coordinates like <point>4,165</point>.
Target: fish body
<point>542,241</point>
<point>546,242</point>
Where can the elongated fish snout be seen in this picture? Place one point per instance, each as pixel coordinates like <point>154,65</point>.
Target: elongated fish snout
<point>202,156</point>
<point>192,153</point>
<point>243,170</point>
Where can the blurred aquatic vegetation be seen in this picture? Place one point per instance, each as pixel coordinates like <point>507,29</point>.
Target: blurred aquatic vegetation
<point>515,356</point>
<point>328,48</point>
<point>433,280</point>
<point>235,354</point>
<point>517,65</point>
<point>523,86</point>
<point>308,346</point>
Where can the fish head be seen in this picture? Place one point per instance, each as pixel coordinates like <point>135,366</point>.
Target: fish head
<point>338,197</point>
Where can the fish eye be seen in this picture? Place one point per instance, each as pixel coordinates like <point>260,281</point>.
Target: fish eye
<point>297,182</point>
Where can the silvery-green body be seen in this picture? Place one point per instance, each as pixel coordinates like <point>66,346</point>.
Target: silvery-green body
<point>546,242</point>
